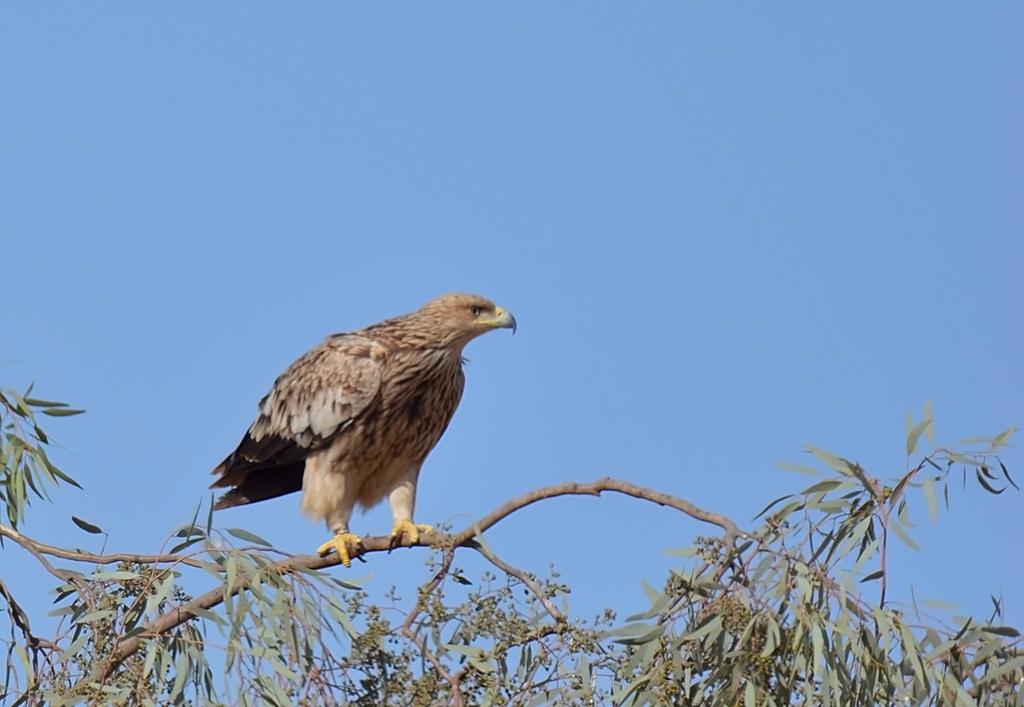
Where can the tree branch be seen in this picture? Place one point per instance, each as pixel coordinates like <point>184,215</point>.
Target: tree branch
<point>37,548</point>
<point>466,538</point>
<point>596,488</point>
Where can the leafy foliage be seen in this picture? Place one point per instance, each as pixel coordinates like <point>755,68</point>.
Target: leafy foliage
<point>795,611</point>
<point>24,463</point>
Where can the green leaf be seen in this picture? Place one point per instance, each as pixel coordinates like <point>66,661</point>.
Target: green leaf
<point>715,624</point>
<point>749,695</point>
<point>836,463</point>
<point>180,674</point>
<point>928,487</point>
<point>95,616</point>
<point>1002,438</point>
<point>26,664</point>
<point>1006,473</point>
<point>243,534</point>
<point>76,645</point>
<point>688,551</point>
<point>1008,631</point>
<point>797,468</point>
<point>232,572</point>
<point>61,475</point>
<point>209,616</point>
<point>187,543</point>
<point>61,412</point>
<point>38,403</point>
<point>654,633</point>
<point>769,506</point>
<point>988,487</point>
<point>162,592</point>
<point>915,435</point>
<point>119,576</point>
<point>873,576</point>
<point>87,526</point>
<point>902,535</point>
<point>1006,668</point>
<point>152,648</point>
<point>827,485</point>
<point>342,618</point>
<point>468,651</point>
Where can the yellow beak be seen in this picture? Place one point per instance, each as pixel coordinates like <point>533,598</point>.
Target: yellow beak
<point>503,319</point>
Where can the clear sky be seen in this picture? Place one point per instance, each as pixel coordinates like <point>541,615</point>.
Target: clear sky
<point>725,230</point>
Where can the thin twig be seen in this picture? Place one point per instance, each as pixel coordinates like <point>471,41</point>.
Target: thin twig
<point>21,621</point>
<point>90,557</point>
<point>33,549</point>
<point>521,576</point>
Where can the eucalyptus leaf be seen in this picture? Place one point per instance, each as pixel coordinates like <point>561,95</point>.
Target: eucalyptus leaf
<point>87,526</point>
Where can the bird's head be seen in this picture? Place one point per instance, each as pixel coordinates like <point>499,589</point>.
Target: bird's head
<point>460,318</point>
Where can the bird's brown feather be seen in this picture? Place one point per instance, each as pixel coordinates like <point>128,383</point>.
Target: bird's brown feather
<point>374,401</point>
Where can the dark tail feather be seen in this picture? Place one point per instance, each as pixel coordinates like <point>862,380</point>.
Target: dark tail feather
<point>259,485</point>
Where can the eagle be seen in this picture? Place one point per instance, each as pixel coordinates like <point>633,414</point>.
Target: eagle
<point>352,420</point>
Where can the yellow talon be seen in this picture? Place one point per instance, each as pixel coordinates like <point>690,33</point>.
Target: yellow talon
<point>345,544</point>
<point>409,531</point>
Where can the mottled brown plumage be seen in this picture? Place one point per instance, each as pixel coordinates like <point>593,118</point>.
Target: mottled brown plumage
<point>352,420</point>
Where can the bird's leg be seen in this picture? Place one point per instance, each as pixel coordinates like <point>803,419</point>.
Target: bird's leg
<point>326,495</point>
<point>403,501</point>
<point>346,544</point>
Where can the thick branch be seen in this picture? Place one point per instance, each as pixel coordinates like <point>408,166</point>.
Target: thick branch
<point>188,611</point>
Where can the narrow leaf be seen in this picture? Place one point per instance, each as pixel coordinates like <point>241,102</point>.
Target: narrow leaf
<point>915,435</point>
<point>1003,437</point>
<point>797,468</point>
<point>37,403</point>
<point>928,487</point>
<point>988,487</point>
<point>902,535</point>
<point>118,576</point>
<point>87,526</point>
<point>1006,473</point>
<point>873,576</point>
<point>243,534</point>
<point>769,506</point>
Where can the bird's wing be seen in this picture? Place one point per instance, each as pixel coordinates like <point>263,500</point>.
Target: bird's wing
<point>315,399</point>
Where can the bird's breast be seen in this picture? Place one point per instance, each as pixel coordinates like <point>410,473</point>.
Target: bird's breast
<point>418,400</point>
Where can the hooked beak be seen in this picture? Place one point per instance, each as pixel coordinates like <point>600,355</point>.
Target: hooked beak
<point>503,319</point>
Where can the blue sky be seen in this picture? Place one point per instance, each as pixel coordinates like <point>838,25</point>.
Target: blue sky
<point>725,232</point>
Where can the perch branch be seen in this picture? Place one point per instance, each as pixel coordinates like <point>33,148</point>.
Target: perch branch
<point>179,615</point>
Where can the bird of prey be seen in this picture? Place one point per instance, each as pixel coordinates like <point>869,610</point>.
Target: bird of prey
<point>352,420</point>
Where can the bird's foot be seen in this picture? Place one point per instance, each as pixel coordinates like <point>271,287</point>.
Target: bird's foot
<point>408,531</point>
<point>345,544</point>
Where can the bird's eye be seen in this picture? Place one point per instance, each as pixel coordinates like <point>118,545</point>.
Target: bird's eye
<point>476,311</point>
